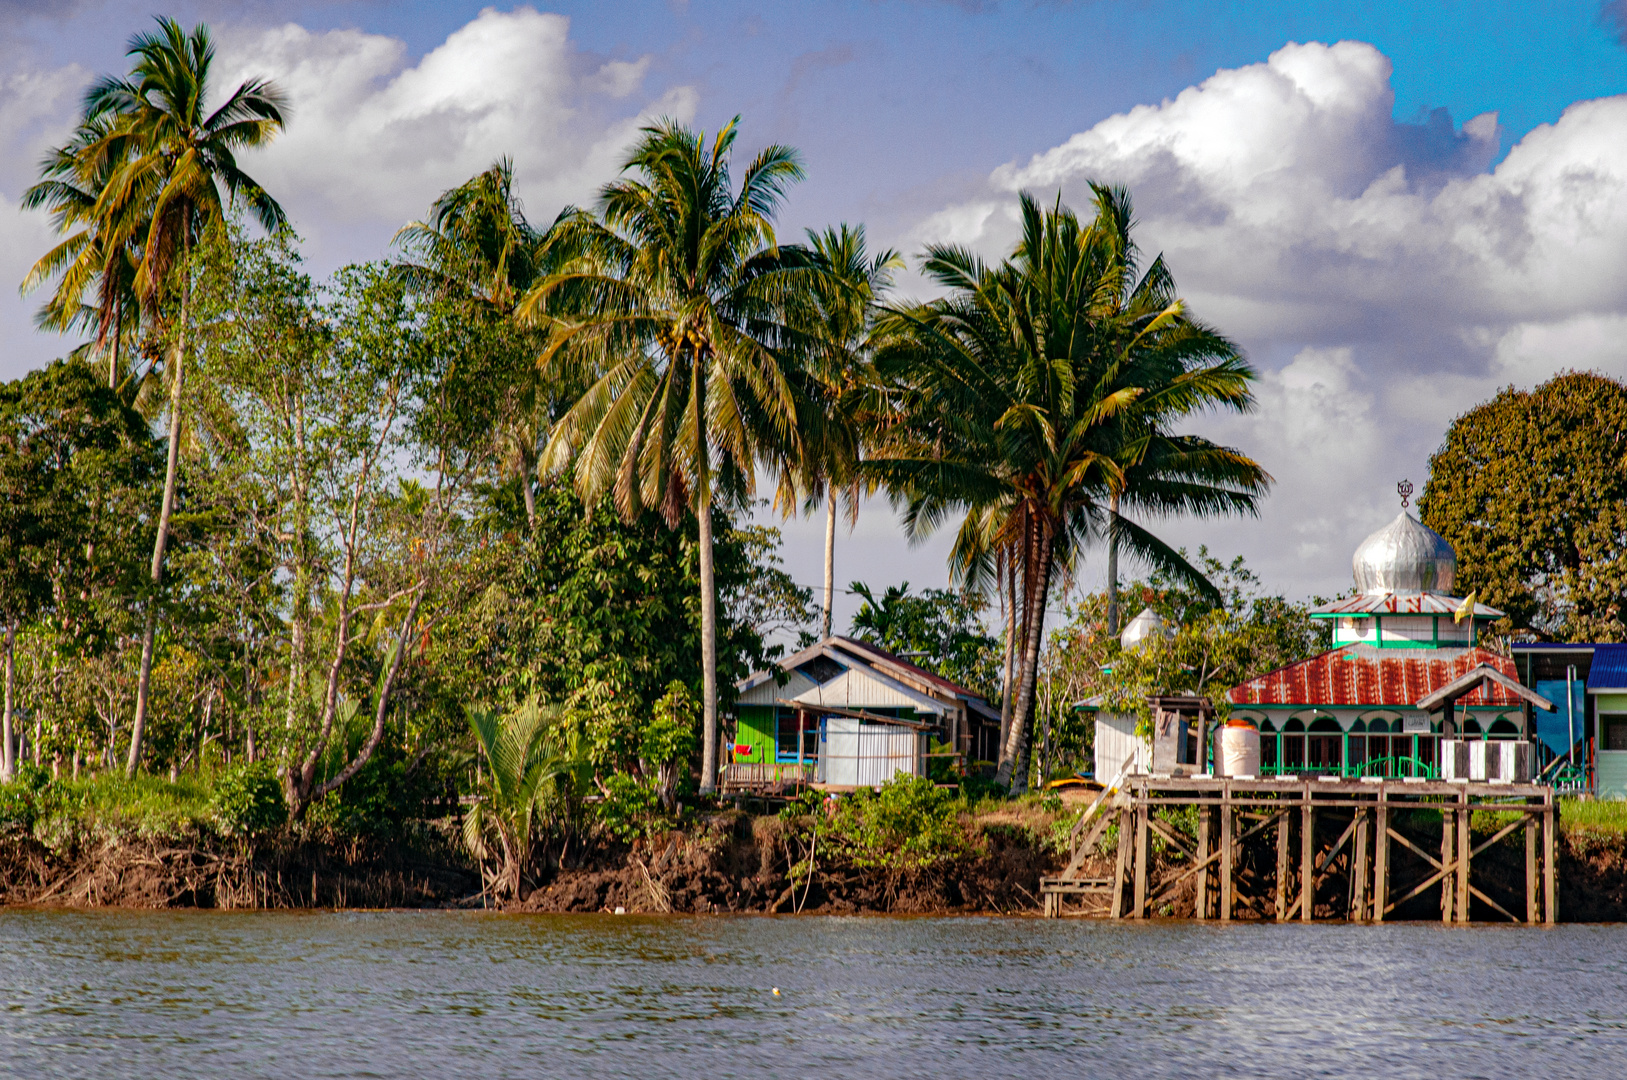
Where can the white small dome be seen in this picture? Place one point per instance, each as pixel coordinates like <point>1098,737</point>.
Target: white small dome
<point>1406,556</point>
<point>1148,624</point>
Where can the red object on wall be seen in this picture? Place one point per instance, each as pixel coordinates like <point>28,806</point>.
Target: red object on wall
<point>1363,675</point>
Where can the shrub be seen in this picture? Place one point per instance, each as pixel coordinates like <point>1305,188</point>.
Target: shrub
<point>906,824</point>
<point>631,808</point>
<point>248,799</point>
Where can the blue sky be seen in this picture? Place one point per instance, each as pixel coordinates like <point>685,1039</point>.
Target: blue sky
<point>1385,264</point>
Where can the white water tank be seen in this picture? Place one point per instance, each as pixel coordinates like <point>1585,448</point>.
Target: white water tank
<point>1239,751</point>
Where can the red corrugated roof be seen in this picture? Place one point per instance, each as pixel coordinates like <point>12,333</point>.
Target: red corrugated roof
<point>1363,675</point>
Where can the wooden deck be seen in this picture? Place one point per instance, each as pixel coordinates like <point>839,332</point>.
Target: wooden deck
<point>1343,862</point>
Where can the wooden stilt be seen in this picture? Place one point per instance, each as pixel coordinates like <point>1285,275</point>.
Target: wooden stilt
<point>1284,819</point>
<point>1550,866</point>
<point>1122,866</point>
<point>1449,834</point>
<point>1530,867</point>
<point>1228,829</point>
<point>1143,856</point>
<point>1464,851</point>
<point>1201,908</point>
<point>1359,867</point>
<point>1381,860</point>
<point>1307,858</point>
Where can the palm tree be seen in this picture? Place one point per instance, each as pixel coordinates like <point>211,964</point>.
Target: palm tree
<point>680,298</point>
<point>520,770</point>
<point>478,248</point>
<point>1037,389</point>
<point>172,159</point>
<point>96,262</point>
<point>840,323</point>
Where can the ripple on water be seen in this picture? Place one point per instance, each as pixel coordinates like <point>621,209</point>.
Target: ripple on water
<point>358,994</point>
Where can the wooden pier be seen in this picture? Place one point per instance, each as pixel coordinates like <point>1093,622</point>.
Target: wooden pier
<point>1339,851</point>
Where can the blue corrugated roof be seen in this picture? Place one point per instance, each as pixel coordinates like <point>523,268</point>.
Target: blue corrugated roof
<point>1609,671</point>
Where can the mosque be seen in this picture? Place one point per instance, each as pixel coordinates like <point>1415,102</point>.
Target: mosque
<point>1405,672</point>
<point>1364,707</point>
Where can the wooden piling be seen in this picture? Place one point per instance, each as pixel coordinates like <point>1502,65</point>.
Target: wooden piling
<point>1359,868</point>
<point>1465,850</point>
<point>1530,867</point>
<point>1381,859</point>
<point>1449,834</point>
<point>1142,856</point>
<point>1550,875</point>
<point>1228,829</point>
<point>1307,857</point>
<point>1122,865</point>
<point>1284,818</point>
<point>1201,908</point>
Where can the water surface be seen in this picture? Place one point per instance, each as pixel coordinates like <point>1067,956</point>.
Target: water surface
<point>181,994</point>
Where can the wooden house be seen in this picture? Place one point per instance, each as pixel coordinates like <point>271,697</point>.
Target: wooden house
<point>843,714</point>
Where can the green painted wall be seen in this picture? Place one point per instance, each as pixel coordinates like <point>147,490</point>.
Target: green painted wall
<point>755,729</point>
<point>1610,767</point>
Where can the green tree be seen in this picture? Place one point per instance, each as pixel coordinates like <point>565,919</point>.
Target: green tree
<point>1530,489</point>
<point>846,402</point>
<point>175,170</point>
<point>75,464</point>
<point>941,630</point>
<point>1034,390</point>
<point>479,254</point>
<point>681,297</point>
<point>520,768</point>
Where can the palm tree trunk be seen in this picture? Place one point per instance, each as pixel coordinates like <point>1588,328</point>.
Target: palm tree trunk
<point>830,561</point>
<point>708,649</point>
<point>528,473</point>
<point>1113,573</point>
<point>1035,586</point>
<point>166,508</point>
<point>8,757</point>
<point>113,353</point>
<point>1008,600</point>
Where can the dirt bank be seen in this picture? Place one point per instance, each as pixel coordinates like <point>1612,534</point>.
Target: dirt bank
<point>729,862</point>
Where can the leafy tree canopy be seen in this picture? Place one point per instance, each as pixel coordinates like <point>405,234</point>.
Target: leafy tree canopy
<point>942,630</point>
<point>1530,489</point>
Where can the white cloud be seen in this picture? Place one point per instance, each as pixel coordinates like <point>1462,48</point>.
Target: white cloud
<point>373,139</point>
<point>1406,278</point>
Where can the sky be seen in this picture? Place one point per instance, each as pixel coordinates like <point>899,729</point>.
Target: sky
<point>1395,209</point>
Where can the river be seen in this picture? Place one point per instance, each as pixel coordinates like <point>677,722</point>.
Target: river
<point>438,994</point>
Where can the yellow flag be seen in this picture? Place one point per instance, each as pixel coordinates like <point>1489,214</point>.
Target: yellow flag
<point>1465,609</point>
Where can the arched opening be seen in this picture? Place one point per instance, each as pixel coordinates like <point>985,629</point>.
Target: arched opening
<point>1324,745</point>
<point>1503,728</point>
<point>1293,746</point>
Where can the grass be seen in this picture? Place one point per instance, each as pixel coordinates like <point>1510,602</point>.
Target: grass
<point>110,805</point>
<point>1590,815</point>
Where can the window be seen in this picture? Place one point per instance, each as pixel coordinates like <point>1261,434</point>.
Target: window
<point>785,735</point>
<point>1615,732</point>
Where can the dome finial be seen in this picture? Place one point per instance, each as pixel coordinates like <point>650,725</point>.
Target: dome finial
<point>1405,490</point>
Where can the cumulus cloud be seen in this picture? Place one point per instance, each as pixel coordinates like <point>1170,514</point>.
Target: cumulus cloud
<point>373,138</point>
<point>1383,274</point>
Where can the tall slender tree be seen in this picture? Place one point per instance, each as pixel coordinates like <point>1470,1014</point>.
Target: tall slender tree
<point>680,297</point>
<point>1037,389</point>
<point>848,402</point>
<point>174,169</point>
<point>476,247</point>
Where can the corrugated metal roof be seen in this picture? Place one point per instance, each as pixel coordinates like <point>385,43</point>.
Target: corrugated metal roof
<point>1609,671</point>
<point>1364,676</point>
<point>1427,603</point>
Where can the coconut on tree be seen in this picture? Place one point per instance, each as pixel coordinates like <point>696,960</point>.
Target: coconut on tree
<point>679,298</point>
<point>1036,398</point>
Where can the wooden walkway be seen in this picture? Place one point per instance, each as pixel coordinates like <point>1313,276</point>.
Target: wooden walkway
<point>1336,846</point>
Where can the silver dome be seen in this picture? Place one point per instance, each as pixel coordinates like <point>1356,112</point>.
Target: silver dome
<point>1406,556</point>
<point>1148,624</point>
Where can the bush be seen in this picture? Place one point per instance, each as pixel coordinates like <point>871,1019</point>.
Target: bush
<point>631,808</point>
<point>248,799</point>
<point>906,824</point>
